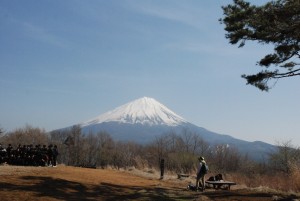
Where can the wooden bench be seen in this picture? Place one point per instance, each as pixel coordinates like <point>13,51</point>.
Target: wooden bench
<point>180,176</point>
<point>220,184</point>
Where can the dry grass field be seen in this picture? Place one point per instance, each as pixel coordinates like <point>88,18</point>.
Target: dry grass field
<point>74,183</point>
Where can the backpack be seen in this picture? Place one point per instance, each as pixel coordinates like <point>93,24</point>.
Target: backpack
<point>204,168</point>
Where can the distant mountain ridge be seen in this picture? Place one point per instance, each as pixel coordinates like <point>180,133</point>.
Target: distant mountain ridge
<point>144,119</point>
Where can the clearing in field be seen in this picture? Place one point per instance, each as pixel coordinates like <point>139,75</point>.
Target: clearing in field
<point>75,183</point>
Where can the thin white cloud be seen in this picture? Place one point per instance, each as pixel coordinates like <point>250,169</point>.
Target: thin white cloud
<point>41,34</point>
<point>28,29</point>
<point>179,12</point>
<point>35,32</point>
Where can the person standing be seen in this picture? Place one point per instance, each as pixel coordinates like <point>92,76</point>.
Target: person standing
<point>201,171</point>
<point>54,154</point>
<point>9,151</point>
<point>50,155</point>
<point>2,154</point>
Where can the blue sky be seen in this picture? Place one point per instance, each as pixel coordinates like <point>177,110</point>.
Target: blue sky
<point>64,62</point>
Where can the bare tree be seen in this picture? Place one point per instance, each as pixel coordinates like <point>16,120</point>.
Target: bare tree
<point>1,132</point>
<point>188,140</point>
<point>75,146</point>
<point>286,156</point>
<point>27,135</point>
<point>105,146</point>
<point>225,158</point>
<point>90,150</point>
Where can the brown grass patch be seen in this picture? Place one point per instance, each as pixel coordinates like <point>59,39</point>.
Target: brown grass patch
<point>273,183</point>
<point>73,183</point>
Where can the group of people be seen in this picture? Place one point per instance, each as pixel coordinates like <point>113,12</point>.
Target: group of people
<point>29,155</point>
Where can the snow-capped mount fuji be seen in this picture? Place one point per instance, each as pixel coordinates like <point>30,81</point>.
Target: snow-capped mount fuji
<point>144,119</point>
<point>140,120</point>
<point>145,111</point>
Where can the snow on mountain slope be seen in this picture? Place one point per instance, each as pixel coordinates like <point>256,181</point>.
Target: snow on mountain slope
<point>144,111</point>
<point>143,119</point>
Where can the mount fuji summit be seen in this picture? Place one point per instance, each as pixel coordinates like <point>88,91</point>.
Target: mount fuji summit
<point>144,119</point>
<point>140,120</point>
<point>145,111</point>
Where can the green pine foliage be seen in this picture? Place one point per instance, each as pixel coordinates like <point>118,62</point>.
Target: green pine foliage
<point>276,23</point>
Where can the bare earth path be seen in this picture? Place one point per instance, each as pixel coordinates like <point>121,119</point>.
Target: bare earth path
<point>73,183</point>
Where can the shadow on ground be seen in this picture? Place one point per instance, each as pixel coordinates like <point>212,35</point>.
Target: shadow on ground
<point>246,195</point>
<point>48,187</point>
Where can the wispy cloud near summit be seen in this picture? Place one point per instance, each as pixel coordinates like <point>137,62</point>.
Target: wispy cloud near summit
<point>176,11</point>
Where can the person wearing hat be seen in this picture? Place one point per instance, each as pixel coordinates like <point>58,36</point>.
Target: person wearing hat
<point>201,171</point>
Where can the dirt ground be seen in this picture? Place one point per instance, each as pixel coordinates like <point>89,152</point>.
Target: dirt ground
<point>75,183</point>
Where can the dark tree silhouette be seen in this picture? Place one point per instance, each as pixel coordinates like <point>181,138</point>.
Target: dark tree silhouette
<point>276,23</point>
